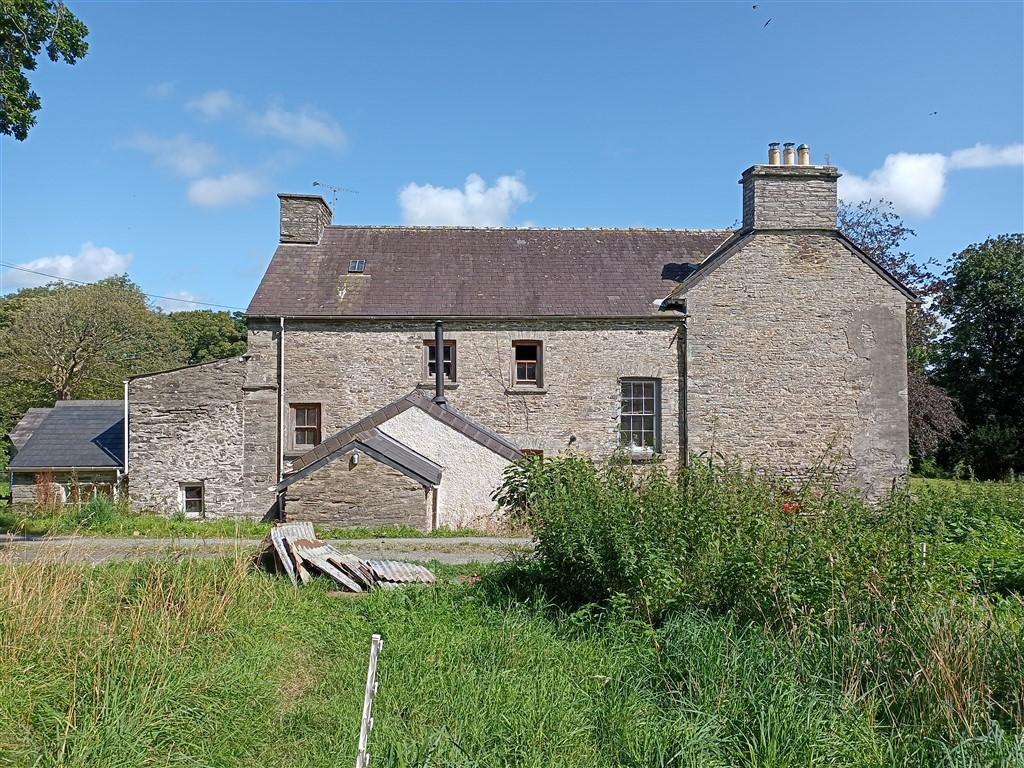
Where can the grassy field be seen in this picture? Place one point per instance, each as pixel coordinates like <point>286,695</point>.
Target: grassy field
<point>787,640</point>
<point>101,518</point>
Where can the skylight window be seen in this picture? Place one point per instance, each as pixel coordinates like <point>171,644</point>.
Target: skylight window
<point>356,265</point>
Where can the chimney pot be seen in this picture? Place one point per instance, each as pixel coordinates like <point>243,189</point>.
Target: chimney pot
<point>803,154</point>
<point>773,153</point>
<point>788,157</point>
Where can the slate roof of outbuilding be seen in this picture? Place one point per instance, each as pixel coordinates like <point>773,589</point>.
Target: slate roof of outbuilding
<point>26,426</point>
<point>416,399</point>
<point>76,433</point>
<point>444,272</point>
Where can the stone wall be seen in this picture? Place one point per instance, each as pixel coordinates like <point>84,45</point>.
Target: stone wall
<point>303,218</point>
<point>187,426</point>
<point>24,490</point>
<point>354,367</point>
<point>790,197</point>
<point>796,354</point>
<point>368,493</point>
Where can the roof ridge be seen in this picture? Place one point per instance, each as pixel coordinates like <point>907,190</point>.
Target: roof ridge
<point>466,228</point>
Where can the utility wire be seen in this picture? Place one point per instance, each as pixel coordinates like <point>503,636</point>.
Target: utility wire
<point>150,295</point>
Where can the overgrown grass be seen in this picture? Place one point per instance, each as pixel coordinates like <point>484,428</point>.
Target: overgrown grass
<point>212,664</point>
<point>100,517</point>
<point>779,656</point>
<point>909,608</point>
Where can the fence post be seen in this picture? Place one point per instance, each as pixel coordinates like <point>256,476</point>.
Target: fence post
<point>366,725</point>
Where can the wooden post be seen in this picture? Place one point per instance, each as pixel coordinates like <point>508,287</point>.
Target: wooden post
<point>366,725</point>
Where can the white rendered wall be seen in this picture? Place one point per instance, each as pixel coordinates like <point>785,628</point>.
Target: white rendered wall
<point>471,471</point>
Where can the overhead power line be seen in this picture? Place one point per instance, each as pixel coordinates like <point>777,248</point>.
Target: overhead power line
<point>150,295</point>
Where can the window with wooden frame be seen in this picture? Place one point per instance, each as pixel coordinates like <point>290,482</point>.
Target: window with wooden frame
<point>527,364</point>
<point>430,360</point>
<point>640,415</point>
<point>305,425</point>
<point>193,503</point>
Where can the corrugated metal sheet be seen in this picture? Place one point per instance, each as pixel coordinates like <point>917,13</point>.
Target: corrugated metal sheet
<point>294,548</point>
<point>398,572</point>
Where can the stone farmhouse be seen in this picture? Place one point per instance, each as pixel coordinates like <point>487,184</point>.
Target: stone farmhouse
<point>394,372</point>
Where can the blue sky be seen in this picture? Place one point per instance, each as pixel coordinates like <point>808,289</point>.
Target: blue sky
<point>161,152</point>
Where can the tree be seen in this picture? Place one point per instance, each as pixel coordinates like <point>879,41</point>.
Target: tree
<point>881,233</point>
<point>84,340</point>
<point>27,27</point>
<point>210,335</point>
<point>981,355</point>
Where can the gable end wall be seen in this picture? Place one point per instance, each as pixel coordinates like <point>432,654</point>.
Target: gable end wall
<point>187,426</point>
<point>796,354</point>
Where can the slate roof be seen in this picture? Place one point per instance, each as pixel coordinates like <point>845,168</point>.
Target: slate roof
<point>416,399</point>
<point>444,272</point>
<point>76,433</point>
<point>26,426</point>
<point>383,448</point>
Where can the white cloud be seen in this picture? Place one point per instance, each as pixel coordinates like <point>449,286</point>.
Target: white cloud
<point>915,183</point>
<point>92,263</point>
<point>306,127</point>
<point>213,105</point>
<point>987,156</point>
<point>221,191</point>
<point>476,205</point>
<point>180,154</point>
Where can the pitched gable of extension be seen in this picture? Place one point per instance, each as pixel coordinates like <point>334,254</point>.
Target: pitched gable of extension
<point>448,272</point>
<point>405,458</point>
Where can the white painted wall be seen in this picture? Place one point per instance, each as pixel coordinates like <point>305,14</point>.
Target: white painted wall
<point>471,471</point>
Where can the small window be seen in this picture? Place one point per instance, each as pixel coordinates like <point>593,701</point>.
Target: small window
<point>356,265</point>
<point>528,364</point>
<point>431,360</point>
<point>640,415</point>
<point>192,502</point>
<point>305,425</point>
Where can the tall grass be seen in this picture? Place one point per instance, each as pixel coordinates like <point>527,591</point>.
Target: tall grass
<point>876,657</point>
<point>876,604</point>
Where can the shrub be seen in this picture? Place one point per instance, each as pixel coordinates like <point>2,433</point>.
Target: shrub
<point>720,538</point>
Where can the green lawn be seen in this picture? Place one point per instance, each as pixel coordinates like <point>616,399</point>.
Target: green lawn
<point>116,522</point>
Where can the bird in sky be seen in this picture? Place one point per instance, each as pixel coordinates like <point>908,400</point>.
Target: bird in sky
<point>755,7</point>
<point>932,114</point>
<point>767,23</point>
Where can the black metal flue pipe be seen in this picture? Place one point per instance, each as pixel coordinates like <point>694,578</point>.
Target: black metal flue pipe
<point>439,362</point>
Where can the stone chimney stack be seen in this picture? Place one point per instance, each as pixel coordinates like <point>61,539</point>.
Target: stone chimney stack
<point>792,195</point>
<point>303,218</point>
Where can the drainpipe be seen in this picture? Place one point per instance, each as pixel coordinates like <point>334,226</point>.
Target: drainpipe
<point>439,362</point>
<point>126,427</point>
<point>117,485</point>
<point>281,417</point>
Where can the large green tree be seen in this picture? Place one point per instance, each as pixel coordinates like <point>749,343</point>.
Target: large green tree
<point>83,340</point>
<point>210,335</point>
<point>981,354</point>
<point>882,234</point>
<point>27,28</point>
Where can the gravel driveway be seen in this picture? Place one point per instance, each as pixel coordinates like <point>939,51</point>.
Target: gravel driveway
<point>96,550</point>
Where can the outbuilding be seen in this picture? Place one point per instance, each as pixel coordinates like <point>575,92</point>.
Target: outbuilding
<point>71,451</point>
